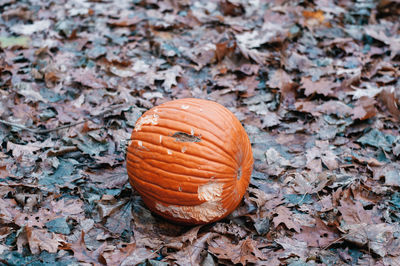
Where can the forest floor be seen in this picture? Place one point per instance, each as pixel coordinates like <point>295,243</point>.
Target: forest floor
<point>315,84</point>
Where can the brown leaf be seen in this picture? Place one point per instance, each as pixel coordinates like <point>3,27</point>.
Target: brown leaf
<point>292,247</point>
<point>391,173</point>
<point>232,229</point>
<point>321,152</point>
<point>285,216</point>
<point>223,49</point>
<point>365,108</point>
<point>366,160</point>
<point>318,15</point>
<point>310,182</point>
<point>67,207</point>
<point>127,254</point>
<point>322,86</point>
<point>244,252</point>
<point>109,178</point>
<point>319,235</point>
<point>334,107</point>
<point>354,212</point>
<point>18,150</point>
<point>233,8</point>
<point>379,34</point>
<point>282,81</point>
<point>191,254</point>
<point>124,22</point>
<point>179,241</point>
<point>271,119</point>
<point>40,240</point>
<point>138,255</point>
<point>276,163</point>
<point>391,101</point>
<point>257,56</point>
<point>279,79</point>
<point>117,215</point>
<point>169,76</point>
<point>118,255</point>
<point>82,254</point>
<point>37,219</point>
<point>8,210</point>
<point>87,78</point>
<point>379,237</point>
<point>307,106</point>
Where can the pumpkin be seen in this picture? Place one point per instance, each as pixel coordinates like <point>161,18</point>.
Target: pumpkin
<point>190,160</point>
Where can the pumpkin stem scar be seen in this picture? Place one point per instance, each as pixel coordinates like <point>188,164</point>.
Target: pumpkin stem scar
<point>239,173</point>
<point>185,137</point>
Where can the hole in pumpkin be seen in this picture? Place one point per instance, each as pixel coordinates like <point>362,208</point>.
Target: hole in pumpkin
<point>185,137</point>
<point>239,173</point>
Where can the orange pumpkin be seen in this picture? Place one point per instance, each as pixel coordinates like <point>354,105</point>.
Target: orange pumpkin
<point>190,160</point>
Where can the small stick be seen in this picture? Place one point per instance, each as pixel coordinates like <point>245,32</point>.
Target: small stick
<point>339,239</point>
<point>40,131</point>
<point>305,194</point>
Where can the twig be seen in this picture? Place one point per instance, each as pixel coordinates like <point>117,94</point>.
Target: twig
<point>149,256</point>
<point>40,131</point>
<point>305,194</point>
<point>339,239</point>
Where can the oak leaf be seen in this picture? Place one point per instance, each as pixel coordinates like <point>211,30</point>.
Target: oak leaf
<point>284,215</point>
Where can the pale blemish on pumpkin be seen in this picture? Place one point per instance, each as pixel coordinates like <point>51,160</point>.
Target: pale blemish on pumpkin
<point>160,139</point>
<point>204,212</point>
<point>184,107</point>
<point>140,143</point>
<point>169,152</point>
<point>183,149</point>
<point>192,131</point>
<point>144,120</point>
<point>211,191</point>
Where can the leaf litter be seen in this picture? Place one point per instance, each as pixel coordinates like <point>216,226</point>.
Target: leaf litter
<point>316,85</point>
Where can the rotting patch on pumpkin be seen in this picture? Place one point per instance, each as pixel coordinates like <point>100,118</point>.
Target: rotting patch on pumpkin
<point>204,212</point>
<point>185,137</point>
<point>148,119</point>
<point>211,191</point>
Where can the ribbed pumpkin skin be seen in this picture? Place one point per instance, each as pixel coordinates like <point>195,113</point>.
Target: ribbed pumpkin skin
<point>190,160</point>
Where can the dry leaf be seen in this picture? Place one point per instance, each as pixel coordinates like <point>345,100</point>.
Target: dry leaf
<point>284,215</point>
<point>319,235</point>
<point>82,254</point>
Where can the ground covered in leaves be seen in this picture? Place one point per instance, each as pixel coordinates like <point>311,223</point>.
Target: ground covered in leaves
<point>315,83</point>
